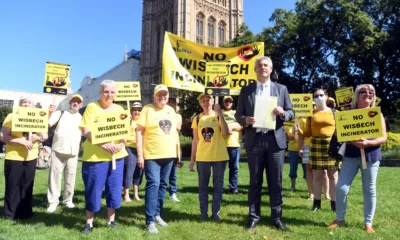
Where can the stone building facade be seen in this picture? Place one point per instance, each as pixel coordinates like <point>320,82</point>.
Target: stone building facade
<point>208,22</point>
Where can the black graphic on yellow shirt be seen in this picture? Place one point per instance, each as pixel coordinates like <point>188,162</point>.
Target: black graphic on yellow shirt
<point>165,125</point>
<point>207,134</point>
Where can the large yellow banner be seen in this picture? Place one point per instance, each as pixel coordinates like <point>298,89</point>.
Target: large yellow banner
<point>56,79</point>
<point>110,126</point>
<point>30,120</point>
<point>184,63</point>
<point>360,123</point>
<point>302,104</point>
<point>128,91</point>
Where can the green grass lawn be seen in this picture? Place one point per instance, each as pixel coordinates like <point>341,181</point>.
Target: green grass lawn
<point>183,217</point>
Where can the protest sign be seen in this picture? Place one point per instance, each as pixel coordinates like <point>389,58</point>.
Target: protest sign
<point>128,91</point>
<point>56,80</point>
<point>360,123</point>
<point>30,120</point>
<point>110,126</point>
<point>343,98</point>
<point>217,78</point>
<point>184,63</point>
<point>377,101</point>
<point>302,104</point>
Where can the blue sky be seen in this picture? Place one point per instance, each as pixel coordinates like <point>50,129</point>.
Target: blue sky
<point>87,34</point>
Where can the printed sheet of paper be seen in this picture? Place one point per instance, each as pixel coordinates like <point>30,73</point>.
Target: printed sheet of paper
<point>263,112</point>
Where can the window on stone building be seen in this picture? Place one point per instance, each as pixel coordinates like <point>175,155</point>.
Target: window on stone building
<point>211,31</point>
<point>221,32</point>
<point>6,103</point>
<point>199,28</point>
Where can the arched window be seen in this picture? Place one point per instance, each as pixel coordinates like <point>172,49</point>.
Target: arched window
<point>199,28</point>
<point>211,31</point>
<point>221,32</point>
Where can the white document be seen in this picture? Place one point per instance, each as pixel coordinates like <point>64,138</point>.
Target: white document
<point>263,112</point>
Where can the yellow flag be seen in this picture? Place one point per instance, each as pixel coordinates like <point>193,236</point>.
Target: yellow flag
<point>56,80</point>
<point>29,119</point>
<point>184,63</point>
<point>128,91</point>
<point>110,126</point>
<point>360,123</point>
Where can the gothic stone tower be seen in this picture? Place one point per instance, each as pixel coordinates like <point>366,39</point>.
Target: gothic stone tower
<point>208,22</point>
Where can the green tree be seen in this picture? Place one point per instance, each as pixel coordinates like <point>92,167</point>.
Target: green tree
<point>4,111</point>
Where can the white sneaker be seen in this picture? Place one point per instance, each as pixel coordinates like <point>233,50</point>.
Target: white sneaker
<point>52,208</point>
<point>161,222</point>
<point>151,228</point>
<point>70,205</point>
<point>174,198</point>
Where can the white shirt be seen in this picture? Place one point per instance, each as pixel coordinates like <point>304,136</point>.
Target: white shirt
<point>67,135</point>
<point>266,92</point>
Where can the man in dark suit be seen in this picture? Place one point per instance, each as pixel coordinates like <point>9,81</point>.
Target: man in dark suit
<point>265,147</point>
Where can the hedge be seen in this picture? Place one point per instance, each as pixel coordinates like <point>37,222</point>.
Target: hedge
<point>392,142</point>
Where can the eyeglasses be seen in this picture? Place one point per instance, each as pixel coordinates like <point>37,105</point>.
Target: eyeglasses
<point>366,92</point>
<point>319,95</point>
<point>228,101</point>
<point>137,110</point>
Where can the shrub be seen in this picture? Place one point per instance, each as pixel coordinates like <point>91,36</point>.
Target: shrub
<point>186,145</point>
<point>392,142</point>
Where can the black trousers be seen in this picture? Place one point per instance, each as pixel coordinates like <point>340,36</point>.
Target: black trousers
<point>265,155</point>
<point>19,177</point>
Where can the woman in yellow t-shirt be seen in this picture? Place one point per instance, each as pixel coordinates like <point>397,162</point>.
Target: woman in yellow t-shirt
<point>19,167</point>
<point>132,172</point>
<point>209,151</point>
<point>232,141</point>
<point>157,148</point>
<point>96,161</point>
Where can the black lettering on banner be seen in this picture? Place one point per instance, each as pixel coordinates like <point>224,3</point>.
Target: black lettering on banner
<point>29,126</point>
<point>360,132</point>
<point>212,56</point>
<point>111,119</point>
<point>110,127</point>
<point>359,125</point>
<point>111,134</point>
<point>193,64</point>
<point>126,86</point>
<point>358,117</point>
<point>296,100</point>
<point>299,105</point>
<point>28,120</point>
<point>31,114</point>
<point>177,76</point>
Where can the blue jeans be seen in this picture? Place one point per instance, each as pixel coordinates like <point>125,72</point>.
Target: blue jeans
<point>132,173</point>
<point>204,172</point>
<point>293,163</point>
<point>234,157</point>
<point>348,171</point>
<point>157,174</point>
<point>173,188</point>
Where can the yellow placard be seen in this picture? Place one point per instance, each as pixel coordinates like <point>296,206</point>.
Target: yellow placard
<point>343,98</point>
<point>56,79</point>
<point>128,91</point>
<point>288,125</point>
<point>217,78</point>
<point>302,104</point>
<point>110,126</point>
<point>360,123</point>
<point>30,119</point>
<point>377,101</point>
<point>184,63</point>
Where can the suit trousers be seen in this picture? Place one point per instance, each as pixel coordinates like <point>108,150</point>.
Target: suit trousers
<point>61,164</point>
<point>19,177</point>
<point>265,154</point>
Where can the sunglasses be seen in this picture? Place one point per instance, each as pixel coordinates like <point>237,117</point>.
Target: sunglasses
<point>319,95</point>
<point>137,110</point>
<point>366,92</point>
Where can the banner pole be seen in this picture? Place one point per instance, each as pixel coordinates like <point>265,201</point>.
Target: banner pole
<point>363,159</point>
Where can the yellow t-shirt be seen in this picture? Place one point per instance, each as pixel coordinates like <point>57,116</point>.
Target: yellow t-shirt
<point>322,124</point>
<point>131,141</point>
<point>93,152</point>
<point>159,140</point>
<point>292,144</point>
<point>302,126</point>
<point>231,140</point>
<point>19,152</point>
<point>211,146</point>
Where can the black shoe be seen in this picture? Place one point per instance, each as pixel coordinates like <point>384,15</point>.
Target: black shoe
<point>280,226</point>
<point>316,205</point>
<point>252,224</point>
<point>203,218</point>
<point>216,218</point>
<point>87,229</point>
<point>112,224</point>
<point>333,206</point>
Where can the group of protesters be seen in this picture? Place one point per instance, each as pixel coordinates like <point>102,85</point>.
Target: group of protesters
<point>153,149</point>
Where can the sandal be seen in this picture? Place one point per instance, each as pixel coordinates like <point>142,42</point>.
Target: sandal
<point>337,223</point>
<point>369,229</point>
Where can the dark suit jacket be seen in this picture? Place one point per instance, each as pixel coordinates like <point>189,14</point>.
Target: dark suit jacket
<point>246,108</point>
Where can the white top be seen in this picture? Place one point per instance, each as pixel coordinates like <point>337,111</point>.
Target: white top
<point>67,135</point>
<point>263,89</point>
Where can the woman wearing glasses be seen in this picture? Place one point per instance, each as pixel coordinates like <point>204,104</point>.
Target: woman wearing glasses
<point>364,97</point>
<point>232,143</point>
<point>132,172</point>
<point>320,127</point>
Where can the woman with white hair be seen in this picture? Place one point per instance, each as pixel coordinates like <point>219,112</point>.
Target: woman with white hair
<point>22,152</point>
<point>97,170</point>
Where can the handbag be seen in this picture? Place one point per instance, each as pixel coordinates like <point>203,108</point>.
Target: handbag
<point>334,145</point>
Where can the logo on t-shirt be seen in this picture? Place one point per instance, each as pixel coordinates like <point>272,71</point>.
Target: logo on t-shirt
<point>165,125</point>
<point>207,134</point>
